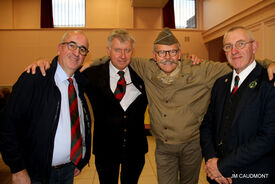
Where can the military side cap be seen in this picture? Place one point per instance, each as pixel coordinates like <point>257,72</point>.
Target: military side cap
<point>166,37</point>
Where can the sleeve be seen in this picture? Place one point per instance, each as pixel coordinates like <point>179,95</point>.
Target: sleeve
<point>14,121</point>
<point>211,71</point>
<point>265,63</point>
<point>259,145</point>
<point>100,61</point>
<point>142,66</point>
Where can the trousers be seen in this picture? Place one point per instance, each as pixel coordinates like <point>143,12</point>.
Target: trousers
<point>178,163</point>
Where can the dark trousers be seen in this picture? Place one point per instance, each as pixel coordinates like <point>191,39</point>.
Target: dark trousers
<point>63,175</point>
<point>108,169</point>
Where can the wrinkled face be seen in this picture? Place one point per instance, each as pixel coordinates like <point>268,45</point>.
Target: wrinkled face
<point>166,57</point>
<point>120,53</point>
<point>71,60</point>
<point>239,59</point>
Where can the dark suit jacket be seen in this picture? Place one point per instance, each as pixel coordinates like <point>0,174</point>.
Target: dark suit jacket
<point>250,147</point>
<point>111,123</point>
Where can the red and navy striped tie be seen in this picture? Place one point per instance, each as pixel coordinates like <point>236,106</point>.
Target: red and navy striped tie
<point>236,82</point>
<point>76,142</point>
<point>121,86</point>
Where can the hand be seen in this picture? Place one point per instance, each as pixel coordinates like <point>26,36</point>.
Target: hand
<point>21,177</point>
<point>223,180</point>
<point>196,60</point>
<point>271,71</point>
<point>43,65</point>
<point>76,172</point>
<point>211,168</point>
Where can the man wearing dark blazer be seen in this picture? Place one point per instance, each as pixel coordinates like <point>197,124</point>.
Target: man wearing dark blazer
<point>238,130</point>
<point>119,136</point>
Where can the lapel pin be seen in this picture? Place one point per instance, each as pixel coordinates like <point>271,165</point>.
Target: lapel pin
<point>253,84</point>
<point>226,80</point>
<point>140,86</point>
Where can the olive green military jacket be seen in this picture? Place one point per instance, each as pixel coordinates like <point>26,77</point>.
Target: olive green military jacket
<point>177,110</point>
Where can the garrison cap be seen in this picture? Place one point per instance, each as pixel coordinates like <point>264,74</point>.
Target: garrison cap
<point>166,37</point>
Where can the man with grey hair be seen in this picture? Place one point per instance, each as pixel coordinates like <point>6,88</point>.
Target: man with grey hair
<point>119,101</point>
<point>238,130</point>
<point>45,129</point>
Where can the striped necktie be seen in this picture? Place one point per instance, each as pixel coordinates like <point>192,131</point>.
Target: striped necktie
<point>236,82</point>
<point>76,142</point>
<point>121,86</point>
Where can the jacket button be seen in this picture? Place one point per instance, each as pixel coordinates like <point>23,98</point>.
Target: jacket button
<point>125,116</point>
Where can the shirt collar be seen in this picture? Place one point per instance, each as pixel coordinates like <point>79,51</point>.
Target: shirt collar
<point>61,73</point>
<point>114,70</point>
<point>245,72</point>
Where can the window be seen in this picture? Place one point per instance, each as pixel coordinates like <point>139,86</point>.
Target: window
<point>68,13</point>
<point>185,13</point>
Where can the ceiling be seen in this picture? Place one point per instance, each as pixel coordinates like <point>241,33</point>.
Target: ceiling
<point>149,3</point>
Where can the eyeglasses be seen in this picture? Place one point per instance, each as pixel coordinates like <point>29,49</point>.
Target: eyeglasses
<point>163,53</point>
<point>73,46</point>
<point>239,45</point>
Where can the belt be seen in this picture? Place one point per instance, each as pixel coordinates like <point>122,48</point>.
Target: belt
<point>61,166</point>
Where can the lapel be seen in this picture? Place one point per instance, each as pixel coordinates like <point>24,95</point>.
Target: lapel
<point>224,91</point>
<point>248,90</point>
<point>138,83</point>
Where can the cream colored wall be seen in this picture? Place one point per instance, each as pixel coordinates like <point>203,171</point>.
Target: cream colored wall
<point>6,14</point>
<point>109,14</point>
<point>20,14</point>
<point>148,18</point>
<point>216,11</point>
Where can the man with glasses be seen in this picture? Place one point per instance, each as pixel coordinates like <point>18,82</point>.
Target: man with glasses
<point>238,130</point>
<point>45,130</point>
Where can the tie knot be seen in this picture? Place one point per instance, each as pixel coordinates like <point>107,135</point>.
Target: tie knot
<point>121,73</point>
<point>237,79</point>
<point>70,80</point>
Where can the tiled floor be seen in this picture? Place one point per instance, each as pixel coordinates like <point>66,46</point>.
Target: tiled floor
<point>89,175</point>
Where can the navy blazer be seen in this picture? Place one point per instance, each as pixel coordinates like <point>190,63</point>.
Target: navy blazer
<point>250,147</point>
<point>111,122</point>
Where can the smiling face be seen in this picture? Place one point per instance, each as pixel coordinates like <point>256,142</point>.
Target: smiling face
<point>167,63</point>
<point>239,59</point>
<point>71,60</point>
<point>120,53</point>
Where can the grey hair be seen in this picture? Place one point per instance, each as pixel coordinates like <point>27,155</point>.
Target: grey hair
<point>250,35</point>
<point>121,34</point>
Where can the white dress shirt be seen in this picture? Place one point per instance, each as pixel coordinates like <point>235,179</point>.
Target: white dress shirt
<point>243,74</point>
<point>62,141</point>
<point>131,91</point>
